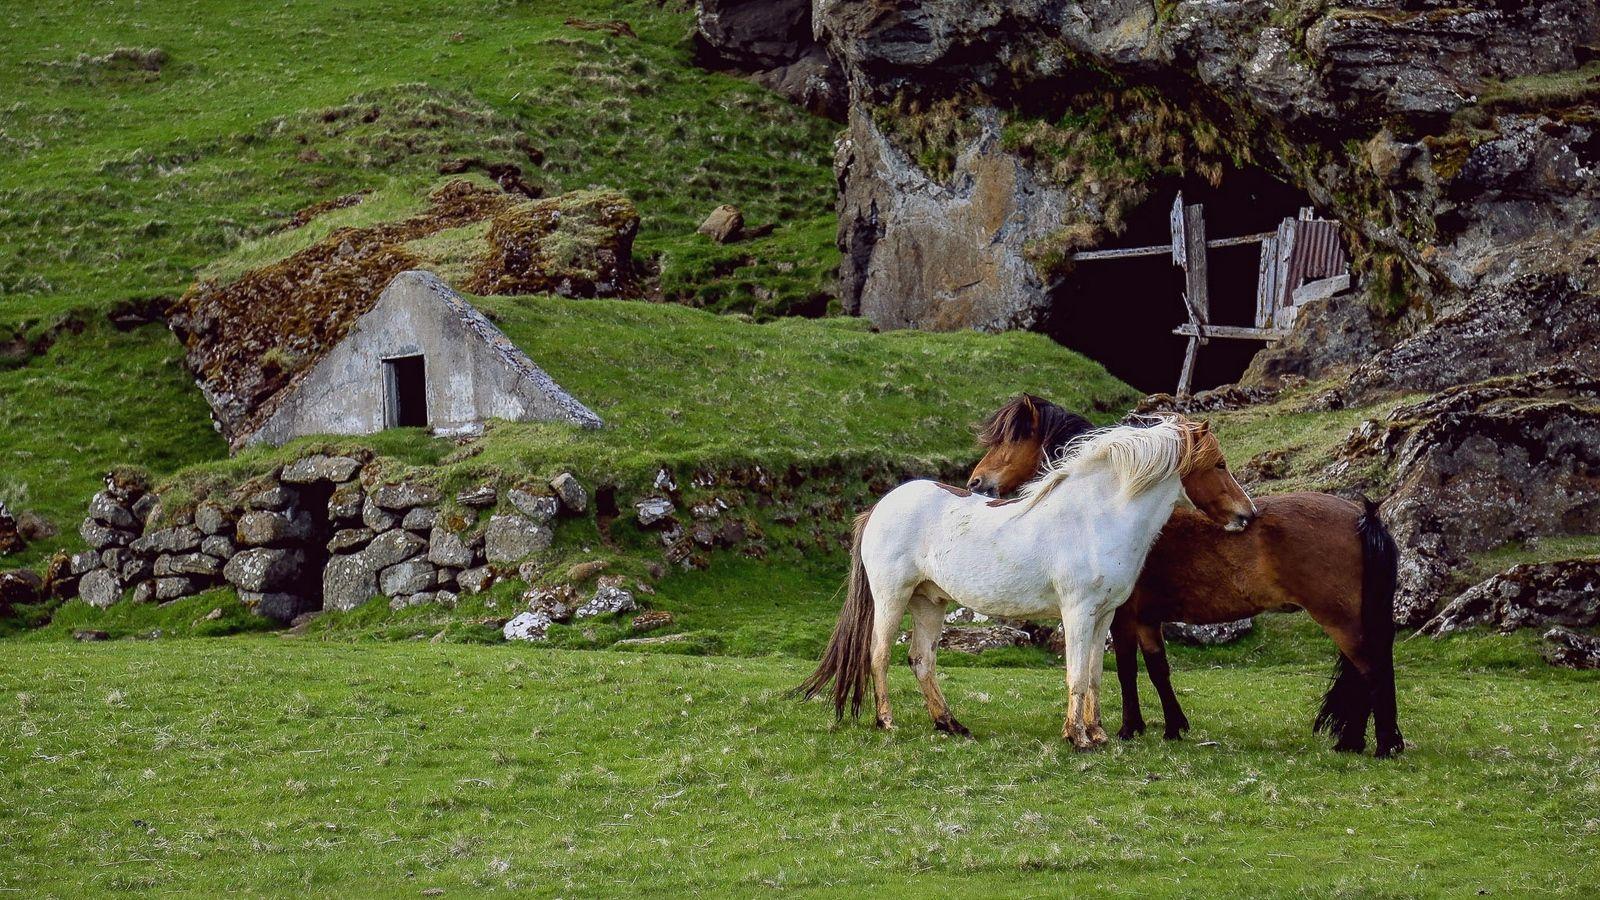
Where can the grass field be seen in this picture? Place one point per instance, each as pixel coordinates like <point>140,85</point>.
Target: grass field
<point>266,765</point>
<point>121,176</point>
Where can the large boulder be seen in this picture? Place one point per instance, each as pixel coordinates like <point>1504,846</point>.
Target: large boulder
<point>1527,596</point>
<point>1571,650</point>
<point>350,580</point>
<point>511,537</point>
<point>10,534</point>
<point>1475,480</point>
<point>264,569</point>
<point>100,588</point>
<point>262,528</point>
<point>772,41</point>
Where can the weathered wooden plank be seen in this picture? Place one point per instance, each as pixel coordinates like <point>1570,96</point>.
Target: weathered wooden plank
<point>1195,284</point>
<point>1122,252</point>
<point>1237,332</point>
<point>1186,375</point>
<point>1196,294</point>
<point>1180,246</point>
<point>1242,239</point>
<point>1266,281</point>
<point>1288,234</point>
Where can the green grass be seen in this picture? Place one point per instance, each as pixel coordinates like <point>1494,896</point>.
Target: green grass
<point>268,765</point>
<point>118,183</point>
<point>93,401</point>
<point>1546,549</point>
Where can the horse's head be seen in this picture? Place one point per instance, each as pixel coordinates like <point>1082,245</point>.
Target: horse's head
<point>1019,438</point>
<point>1207,481</point>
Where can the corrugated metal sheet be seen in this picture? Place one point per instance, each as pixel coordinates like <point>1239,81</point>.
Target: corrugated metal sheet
<point>1318,253</point>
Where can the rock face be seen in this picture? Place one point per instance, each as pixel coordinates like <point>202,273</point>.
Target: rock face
<point>1480,479</point>
<point>1527,596</point>
<point>942,254</point>
<point>987,141</point>
<point>771,40</point>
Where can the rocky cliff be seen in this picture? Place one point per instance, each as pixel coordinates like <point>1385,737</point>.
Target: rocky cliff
<point>1457,142</point>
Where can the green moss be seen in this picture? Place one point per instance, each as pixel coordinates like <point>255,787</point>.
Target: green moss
<point>1542,550</point>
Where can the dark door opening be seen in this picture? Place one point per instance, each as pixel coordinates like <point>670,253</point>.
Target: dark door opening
<point>1121,312</point>
<point>405,381</point>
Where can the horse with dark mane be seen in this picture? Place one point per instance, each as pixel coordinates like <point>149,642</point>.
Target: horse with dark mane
<point>1327,555</point>
<point>1025,433</point>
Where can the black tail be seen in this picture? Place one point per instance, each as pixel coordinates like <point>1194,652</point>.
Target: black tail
<point>1348,701</point>
<point>847,663</point>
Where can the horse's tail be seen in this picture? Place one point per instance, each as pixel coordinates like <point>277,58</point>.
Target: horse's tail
<point>847,663</point>
<point>1348,695</point>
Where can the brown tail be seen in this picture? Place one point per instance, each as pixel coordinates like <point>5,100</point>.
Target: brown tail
<point>848,660</point>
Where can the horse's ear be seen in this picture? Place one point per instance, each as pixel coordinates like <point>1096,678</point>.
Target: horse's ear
<point>1204,429</point>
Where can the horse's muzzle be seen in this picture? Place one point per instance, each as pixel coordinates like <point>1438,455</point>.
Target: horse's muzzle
<point>1239,522</point>
<point>981,485</point>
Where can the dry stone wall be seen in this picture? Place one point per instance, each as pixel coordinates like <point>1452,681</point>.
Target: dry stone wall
<point>330,532</point>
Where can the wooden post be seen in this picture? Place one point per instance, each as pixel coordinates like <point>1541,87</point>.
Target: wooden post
<point>1197,298</point>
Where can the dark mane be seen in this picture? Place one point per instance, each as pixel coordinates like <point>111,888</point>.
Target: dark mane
<point>1026,417</point>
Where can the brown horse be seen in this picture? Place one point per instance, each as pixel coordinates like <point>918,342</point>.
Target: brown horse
<point>1324,554</point>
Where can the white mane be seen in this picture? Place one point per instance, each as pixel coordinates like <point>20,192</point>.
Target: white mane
<point>1142,457</point>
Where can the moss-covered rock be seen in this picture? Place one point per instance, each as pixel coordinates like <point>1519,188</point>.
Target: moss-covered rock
<point>576,245</point>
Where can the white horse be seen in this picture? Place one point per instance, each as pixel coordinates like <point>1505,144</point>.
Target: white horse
<point>1071,546</point>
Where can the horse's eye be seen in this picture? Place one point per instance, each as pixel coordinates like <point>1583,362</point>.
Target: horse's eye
<point>1223,466</point>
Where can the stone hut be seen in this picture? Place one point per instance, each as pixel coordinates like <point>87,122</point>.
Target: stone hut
<point>422,356</point>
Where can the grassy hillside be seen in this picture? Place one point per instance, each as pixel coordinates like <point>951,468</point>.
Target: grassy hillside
<point>138,142</point>
<point>401,769</point>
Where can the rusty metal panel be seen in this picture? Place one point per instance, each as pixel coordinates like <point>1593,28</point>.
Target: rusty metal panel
<point>1317,254</point>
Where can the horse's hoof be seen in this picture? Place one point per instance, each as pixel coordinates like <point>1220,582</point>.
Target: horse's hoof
<point>1129,730</point>
<point>885,724</point>
<point>951,726</point>
<point>1172,734</point>
<point>1390,748</point>
<point>1181,723</point>
<point>1350,746</point>
<point>1097,735</point>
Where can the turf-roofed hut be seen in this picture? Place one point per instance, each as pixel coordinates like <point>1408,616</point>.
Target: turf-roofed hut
<point>349,336</point>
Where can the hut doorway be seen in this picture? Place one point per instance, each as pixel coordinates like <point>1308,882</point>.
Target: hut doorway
<point>1121,311</point>
<point>405,380</point>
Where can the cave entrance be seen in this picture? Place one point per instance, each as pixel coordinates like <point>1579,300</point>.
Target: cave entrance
<point>1120,310</point>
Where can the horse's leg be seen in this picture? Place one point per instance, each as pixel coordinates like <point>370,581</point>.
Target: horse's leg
<point>927,622</point>
<point>1078,633</point>
<point>1154,647</point>
<point>889,609</point>
<point>1125,643</point>
<point>1097,668</point>
<point>1385,717</point>
<point>1347,705</point>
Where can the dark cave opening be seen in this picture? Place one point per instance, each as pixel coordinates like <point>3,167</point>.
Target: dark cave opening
<point>1121,312</point>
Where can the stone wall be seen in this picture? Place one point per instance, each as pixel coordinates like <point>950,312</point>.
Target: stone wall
<point>329,532</point>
